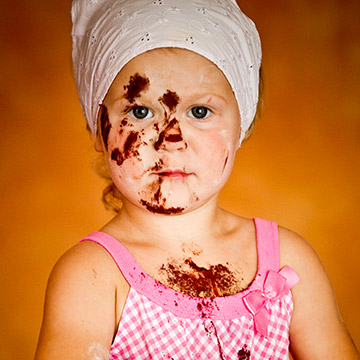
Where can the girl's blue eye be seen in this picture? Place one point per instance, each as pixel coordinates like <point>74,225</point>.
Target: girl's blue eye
<point>141,112</point>
<point>199,112</point>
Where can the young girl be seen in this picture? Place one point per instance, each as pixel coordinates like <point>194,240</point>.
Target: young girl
<point>170,90</point>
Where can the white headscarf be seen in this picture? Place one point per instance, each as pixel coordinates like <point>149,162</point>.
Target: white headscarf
<point>109,33</point>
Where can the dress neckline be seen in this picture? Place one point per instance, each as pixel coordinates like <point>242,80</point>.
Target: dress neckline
<point>224,307</point>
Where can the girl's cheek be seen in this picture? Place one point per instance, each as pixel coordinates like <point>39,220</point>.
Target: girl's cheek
<point>124,147</point>
<point>128,148</point>
<point>229,145</point>
<point>218,153</point>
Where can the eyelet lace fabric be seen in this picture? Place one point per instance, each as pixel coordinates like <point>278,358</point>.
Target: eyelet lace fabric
<point>109,33</point>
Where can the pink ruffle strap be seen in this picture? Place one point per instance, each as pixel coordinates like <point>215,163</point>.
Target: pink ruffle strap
<point>276,285</point>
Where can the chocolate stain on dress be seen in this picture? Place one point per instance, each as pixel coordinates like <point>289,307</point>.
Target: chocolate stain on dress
<point>244,354</point>
<point>218,342</point>
<point>136,85</point>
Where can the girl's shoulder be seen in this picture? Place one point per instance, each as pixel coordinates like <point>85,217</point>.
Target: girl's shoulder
<point>296,251</point>
<point>79,304</point>
<point>85,258</point>
<point>90,266</point>
<point>300,255</point>
<point>84,270</point>
<point>316,320</point>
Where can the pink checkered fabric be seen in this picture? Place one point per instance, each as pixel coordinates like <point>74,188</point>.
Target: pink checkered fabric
<point>147,331</point>
<point>160,323</point>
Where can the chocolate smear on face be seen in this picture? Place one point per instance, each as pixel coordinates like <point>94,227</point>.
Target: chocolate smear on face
<point>160,209</point>
<point>158,194</point>
<point>105,124</point>
<point>129,149</point>
<point>170,99</point>
<point>116,156</point>
<point>130,144</point>
<point>137,84</point>
<point>159,141</point>
<point>174,138</point>
<point>193,280</point>
<point>169,137</point>
<point>226,160</point>
<point>159,165</point>
<point>194,197</point>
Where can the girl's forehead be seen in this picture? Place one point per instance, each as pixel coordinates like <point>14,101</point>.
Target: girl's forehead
<point>172,67</point>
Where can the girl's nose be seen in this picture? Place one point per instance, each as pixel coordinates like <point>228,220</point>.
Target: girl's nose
<point>171,138</point>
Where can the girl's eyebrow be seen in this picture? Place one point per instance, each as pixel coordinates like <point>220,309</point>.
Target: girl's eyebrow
<point>122,97</point>
<point>209,96</point>
<point>197,96</point>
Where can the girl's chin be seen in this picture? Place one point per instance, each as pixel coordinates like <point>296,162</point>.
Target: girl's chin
<point>172,207</point>
<point>163,209</point>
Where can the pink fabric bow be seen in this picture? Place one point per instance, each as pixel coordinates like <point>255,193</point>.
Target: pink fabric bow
<point>275,286</point>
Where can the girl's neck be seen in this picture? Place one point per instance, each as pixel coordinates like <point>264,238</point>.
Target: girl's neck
<point>139,224</point>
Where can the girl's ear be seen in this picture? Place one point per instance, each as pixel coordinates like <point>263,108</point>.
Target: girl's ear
<point>98,143</point>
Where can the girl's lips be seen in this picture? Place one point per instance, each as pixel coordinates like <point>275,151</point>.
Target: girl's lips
<point>173,174</point>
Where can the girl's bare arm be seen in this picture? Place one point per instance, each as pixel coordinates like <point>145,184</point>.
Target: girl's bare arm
<point>80,311</point>
<point>317,330</point>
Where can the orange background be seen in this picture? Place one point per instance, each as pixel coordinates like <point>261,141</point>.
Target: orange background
<point>301,168</point>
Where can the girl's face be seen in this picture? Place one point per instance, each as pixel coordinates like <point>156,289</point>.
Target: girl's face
<point>170,128</point>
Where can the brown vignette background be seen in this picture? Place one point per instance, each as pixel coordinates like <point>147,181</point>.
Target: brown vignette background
<point>301,168</point>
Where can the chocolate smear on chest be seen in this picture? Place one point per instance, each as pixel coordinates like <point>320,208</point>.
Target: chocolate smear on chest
<point>137,84</point>
<point>105,124</point>
<point>197,281</point>
<point>192,247</point>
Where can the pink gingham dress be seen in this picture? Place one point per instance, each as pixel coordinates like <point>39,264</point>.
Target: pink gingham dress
<point>160,323</point>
